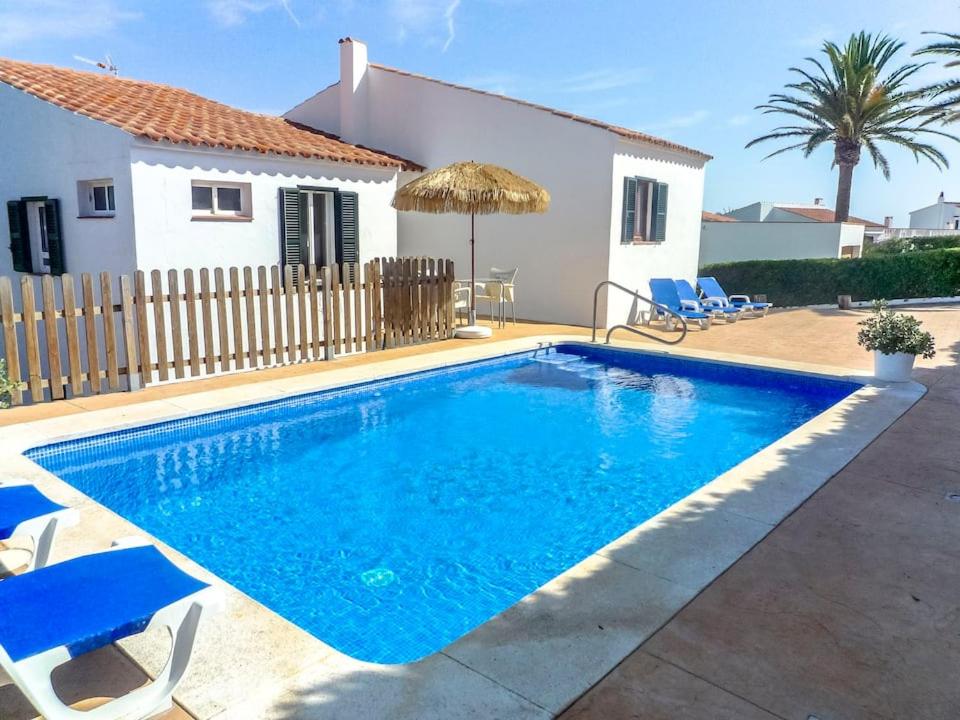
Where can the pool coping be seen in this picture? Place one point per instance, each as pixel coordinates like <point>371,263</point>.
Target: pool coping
<point>539,655</point>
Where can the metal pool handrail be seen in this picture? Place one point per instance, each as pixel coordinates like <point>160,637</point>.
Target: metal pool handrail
<point>636,331</point>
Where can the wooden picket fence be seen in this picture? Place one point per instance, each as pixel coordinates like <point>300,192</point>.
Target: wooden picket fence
<point>176,325</point>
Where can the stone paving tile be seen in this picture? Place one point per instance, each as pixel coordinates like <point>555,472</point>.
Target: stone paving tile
<point>645,688</point>
<point>848,610</point>
<point>85,683</point>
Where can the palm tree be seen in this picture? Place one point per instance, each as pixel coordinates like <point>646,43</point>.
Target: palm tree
<point>850,103</point>
<point>946,109</point>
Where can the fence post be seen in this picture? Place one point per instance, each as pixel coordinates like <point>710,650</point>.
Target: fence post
<point>251,316</point>
<point>190,306</point>
<point>264,290</point>
<point>10,345</point>
<point>327,289</point>
<point>160,324</point>
<point>73,336</point>
<point>134,381</point>
<point>176,327</point>
<point>31,338</point>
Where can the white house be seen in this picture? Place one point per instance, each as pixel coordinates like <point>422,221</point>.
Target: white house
<point>942,215</point>
<point>730,240</point>
<point>104,173</point>
<point>625,205</point>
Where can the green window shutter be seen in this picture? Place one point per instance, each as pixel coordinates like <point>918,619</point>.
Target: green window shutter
<point>51,211</point>
<point>346,213</point>
<point>19,236</point>
<point>659,215</point>
<point>629,209</point>
<point>291,241</point>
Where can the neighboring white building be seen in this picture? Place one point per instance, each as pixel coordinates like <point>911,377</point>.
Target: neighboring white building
<point>104,173</point>
<point>777,212</point>
<point>942,215</point>
<point>729,240</point>
<point>625,206</point>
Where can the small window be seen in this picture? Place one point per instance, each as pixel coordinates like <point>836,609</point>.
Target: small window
<point>213,200</point>
<point>96,198</point>
<point>644,211</point>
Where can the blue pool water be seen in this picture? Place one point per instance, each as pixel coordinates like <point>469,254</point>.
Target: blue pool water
<point>391,518</point>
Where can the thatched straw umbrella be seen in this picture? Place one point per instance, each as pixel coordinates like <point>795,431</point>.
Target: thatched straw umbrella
<point>475,189</point>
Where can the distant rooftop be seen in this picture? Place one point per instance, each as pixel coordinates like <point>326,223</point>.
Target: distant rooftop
<point>707,216</point>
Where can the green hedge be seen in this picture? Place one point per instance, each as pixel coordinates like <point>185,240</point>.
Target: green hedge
<point>930,273</point>
<point>896,246</point>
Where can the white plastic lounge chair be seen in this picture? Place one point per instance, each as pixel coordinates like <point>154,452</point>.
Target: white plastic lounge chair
<point>713,294</point>
<point>64,610</point>
<point>689,296</point>
<point>664,292</point>
<point>26,512</point>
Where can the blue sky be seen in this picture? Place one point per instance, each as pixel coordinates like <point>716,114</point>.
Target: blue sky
<point>686,70</point>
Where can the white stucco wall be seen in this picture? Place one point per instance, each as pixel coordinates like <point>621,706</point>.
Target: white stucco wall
<point>735,242</point>
<point>675,257</point>
<point>45,151</point>
<point>563,254</point>
<point>936,217</point>
<point>168,237</point>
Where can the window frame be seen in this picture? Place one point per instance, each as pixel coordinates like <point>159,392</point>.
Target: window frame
<point>215,212</point>
<point>648,219</point>
<point>86,192</point>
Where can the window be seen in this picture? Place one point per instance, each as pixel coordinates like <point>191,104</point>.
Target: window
<point>96,198</point>
<point>644,211</point>
<point>319,226</point>
<point>36,240</point>
<point>220,200</point>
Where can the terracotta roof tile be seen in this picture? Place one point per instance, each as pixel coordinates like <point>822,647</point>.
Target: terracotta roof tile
<point>716,217</point>
<point>825,215</point>
<point>616,129</point>
<point>163,113</point>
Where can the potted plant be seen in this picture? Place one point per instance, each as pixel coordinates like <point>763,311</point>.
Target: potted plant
<point>895,340</point>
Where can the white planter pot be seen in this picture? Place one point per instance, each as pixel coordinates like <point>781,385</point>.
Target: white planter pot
<point>893,368</point>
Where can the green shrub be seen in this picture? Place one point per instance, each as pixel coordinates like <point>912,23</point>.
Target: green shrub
<point>7,385</point>
<point>891,332</point>
<point>898,246</point>
<point>930,273</point>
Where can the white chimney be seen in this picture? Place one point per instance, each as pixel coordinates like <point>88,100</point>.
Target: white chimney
<point>888,221</point>
<point>353,90</point>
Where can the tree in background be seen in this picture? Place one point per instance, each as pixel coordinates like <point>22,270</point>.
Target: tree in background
<point>854,103</point>
<point>946,95</point>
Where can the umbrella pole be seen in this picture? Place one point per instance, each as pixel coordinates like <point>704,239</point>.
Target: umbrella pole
<point>473,274</point>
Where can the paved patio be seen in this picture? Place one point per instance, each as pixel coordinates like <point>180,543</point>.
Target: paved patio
<point>847,610</point>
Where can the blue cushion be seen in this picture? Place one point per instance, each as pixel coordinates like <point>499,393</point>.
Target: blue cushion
<point>22,502</point>
<point>88,602</point>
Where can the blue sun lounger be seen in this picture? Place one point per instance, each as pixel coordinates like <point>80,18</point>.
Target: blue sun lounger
<point>664,292</point>
<point>67,609</point>
<point>711,293</point>
<point>687,294</point>
<point>25,511</point>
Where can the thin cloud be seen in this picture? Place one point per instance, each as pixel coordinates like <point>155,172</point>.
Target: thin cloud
<point>501,84</point>
<point>738,120</point>
<point>60,20</point>
<point>604,79</point>
<point>426,19</point>
<point>451,28</point>
<point>230,13</point>
<point>682,121</point>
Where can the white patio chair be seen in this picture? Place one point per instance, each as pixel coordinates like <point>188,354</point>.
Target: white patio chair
<point>499,289</point>
<point>461,297</point>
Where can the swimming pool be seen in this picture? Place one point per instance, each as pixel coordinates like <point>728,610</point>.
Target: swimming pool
<point>390,518</point>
